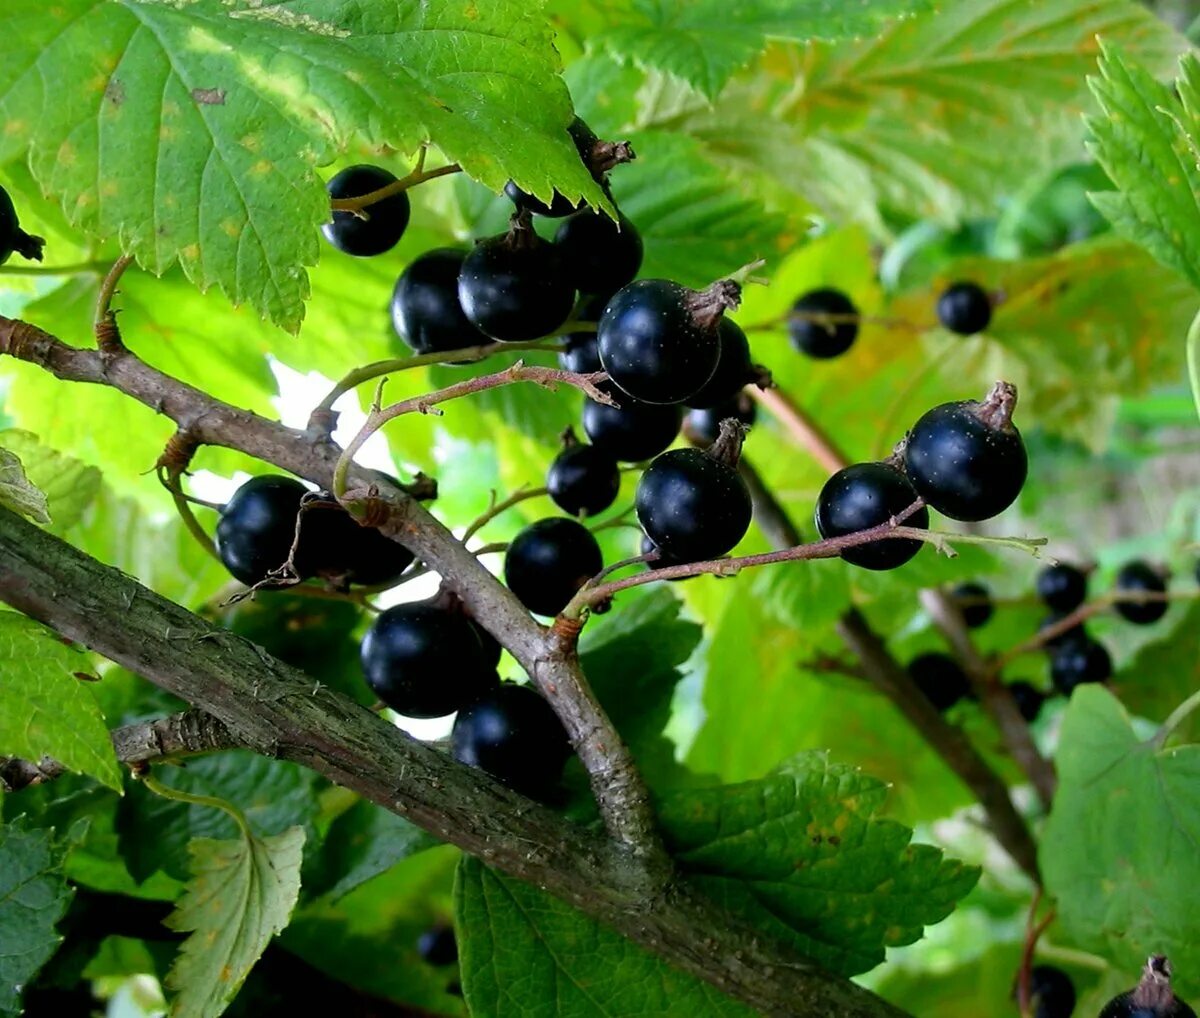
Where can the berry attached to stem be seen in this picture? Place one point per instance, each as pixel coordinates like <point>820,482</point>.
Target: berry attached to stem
<point>258,526</point>
<point>582,480</point>
<point>599,256</point>
<point>426,311</point>
<point>734,369</point>
<point>634,431</point>
<point>868,495</point>
<point>385,221</point>
<point>1076,662</point>
<point>1062,587</point>
<point>549,561</point>
<point>940,678</point>
<point>703,426</point>
<point>964,308</point>
<point>975,602</point>
<point>823,323</point>
<point>1140,578</point>
<point>1153,996</point>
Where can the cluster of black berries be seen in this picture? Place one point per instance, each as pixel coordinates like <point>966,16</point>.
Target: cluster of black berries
<point>964,459</point>
<point>14,240</point>
<point>824,322</point>
<point>1052,994</point>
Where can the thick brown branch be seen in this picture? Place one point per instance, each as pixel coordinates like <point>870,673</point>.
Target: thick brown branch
<point>278,711</point>
<point>620,793</point>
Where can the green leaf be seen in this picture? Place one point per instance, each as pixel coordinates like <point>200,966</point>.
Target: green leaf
<point>33,897</point>
<point>1193,359</point>
<point>191,131</point>
<point>18,492</point>
<point>44,709</point>
<point>155,832</point>
<point>1165,672</point>
<point>705,42</point>
<point>516,942</point>
<point>1147,141</point>
<point>804,855</point>
<point>362,843</point>
<point>632,662</point>
<point>69,485</point>
<point>1119,849</point>
<point>241,894</point>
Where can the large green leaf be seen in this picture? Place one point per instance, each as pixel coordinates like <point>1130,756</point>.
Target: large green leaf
<point>704,42</point>
<point>1148,141</point>
<point>44,709</point>
<point>1165,672</point>
<point>524,953</point>
<point>18,493</point>
<point>804,854</point>
<point>240,895</point>
<point>191,130</point>
<point>69,485</point>
<point>1119,850</point>
<point>934,117</point>
<point>33,897</point>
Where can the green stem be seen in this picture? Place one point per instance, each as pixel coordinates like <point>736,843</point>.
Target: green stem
<point>175,794</point>
<point>53,270</point>
<point>418,176</point>
<point>109,287</point>
<point>1176,718</point>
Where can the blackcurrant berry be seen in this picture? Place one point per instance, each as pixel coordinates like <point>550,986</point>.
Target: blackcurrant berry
<point>823,323</point>
<point>1151,998</point>
<point>335,545</point>
<point>1051,992</point>
<point>703,426</point>
<point>964,308</point>
<point>975,602</point>
<point>1029,699</point>
<point>514,735</point>
<point>940,678</point>
<point>966,459</point>
<point>491,646</point>
<point>12,238</point>
<point>598,255</point>
<point>583,480</point>
<point>581,354</point>
<point>647,546</point>
<point>386,220</point>
<point>437,945</point>
<point>734,369</point>
<point>659,341</point>
<point>1139,578</point>
<point>1075,632</point>
<point>692,505</point>
<point>426,312</point>
<point>512,286</point>
<point>425,660</point>
<point>1062,587</point>
<point>634,431</point>
<point>549,561</point>
<point>1076,662</point>
<point>598,156</point>
<point>258,526</point>
<point>867,495</point>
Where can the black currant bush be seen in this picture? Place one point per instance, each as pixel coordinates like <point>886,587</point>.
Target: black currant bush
<point>381,697</point>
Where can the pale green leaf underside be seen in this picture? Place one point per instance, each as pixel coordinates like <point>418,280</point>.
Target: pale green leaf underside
<point>804,855</point>
<point>18,492</point>
<point>1119,850</point>
<point>33,897</point>
<point>241,894</point>
<point>69,486</point>
<point>704,42</point>
<point>191,130</point>
<point>524,954</point>
<point>1147,141</point>
<point>44,709</point>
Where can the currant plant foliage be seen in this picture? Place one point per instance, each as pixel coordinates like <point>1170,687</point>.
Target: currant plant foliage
<point>880,208</point>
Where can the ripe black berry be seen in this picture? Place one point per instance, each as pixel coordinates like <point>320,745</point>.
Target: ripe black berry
<point>599,256</point>
<point>1029,699</point>
<point>425,660</point>
<point>258,526</point>
<point>512,286</point>
<point>659,341</point>
<point>703,426</point>
<point>966,459</point>
<point>634,431</point>
<point>598,156</point>
<point>1062,587</point>
<point>867,495</point>
<point>647,546</point>
<point>1051,992</point>
<point>1139,578</point>
<point>581,354</point>
<point>333,544</point>
<point>940,678</point>
<point>491,646</point>
<point>386,219</point>
<point>1151,998</point>
<point>583,480</point>
<point>734,369</point>
<point>437,945</point>
<point>514,735</point>
<point>824,323</point>
<point>12,237</point>
<point>1078,661</point>
<point>964,308</point>
<point>1075,632</point>
<point>975,602</point>
<point>549,561</point>
<point>693,505</point>
<point>426,312</point>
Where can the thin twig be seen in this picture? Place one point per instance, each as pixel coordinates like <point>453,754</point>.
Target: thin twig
<point>417,176</point>
<point>104,317</point>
